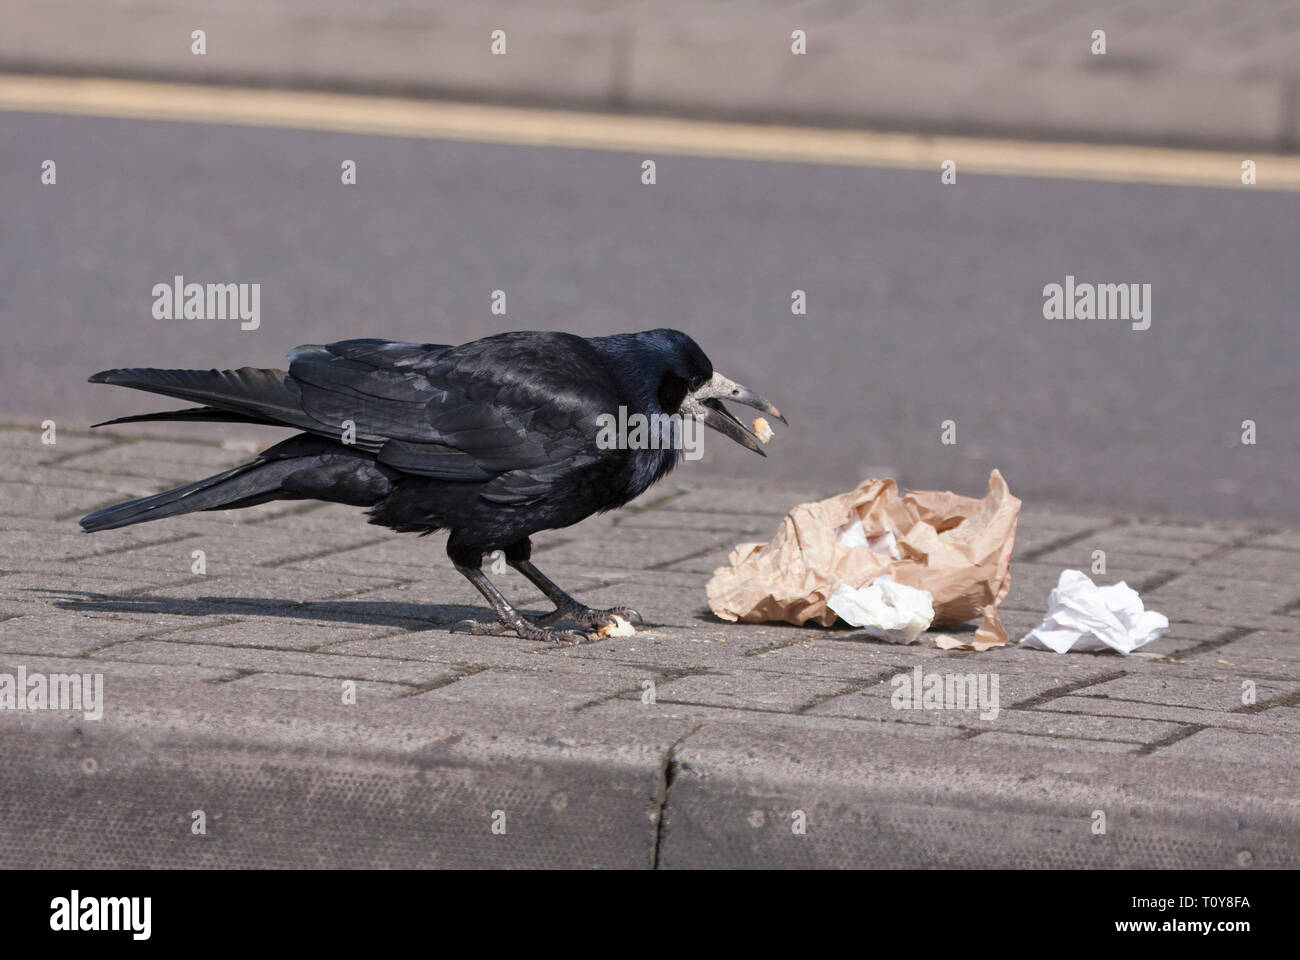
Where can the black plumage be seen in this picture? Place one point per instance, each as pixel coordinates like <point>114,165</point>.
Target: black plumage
<point>493,440</point>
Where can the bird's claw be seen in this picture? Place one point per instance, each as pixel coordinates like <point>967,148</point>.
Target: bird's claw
<point>627,613</point>
<point>590,616</point>
<point>552,635</point>
<point>525,631</point>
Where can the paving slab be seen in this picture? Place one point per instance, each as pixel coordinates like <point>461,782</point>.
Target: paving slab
<point>307,697</point>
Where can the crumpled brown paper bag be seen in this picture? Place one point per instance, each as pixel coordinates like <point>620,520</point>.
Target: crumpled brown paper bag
<point>958,548</point>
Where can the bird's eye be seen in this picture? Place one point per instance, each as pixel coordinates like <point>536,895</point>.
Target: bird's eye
<point>695,383</point>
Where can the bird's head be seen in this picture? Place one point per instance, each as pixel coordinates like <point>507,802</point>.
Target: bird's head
<point>688,385</point>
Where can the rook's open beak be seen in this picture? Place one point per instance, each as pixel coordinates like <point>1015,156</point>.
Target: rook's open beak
<point>706,403</point>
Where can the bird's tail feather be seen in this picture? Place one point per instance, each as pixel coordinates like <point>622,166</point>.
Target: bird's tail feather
<point>211,414</point>
<point>264,395</point>
<point>242,486</point>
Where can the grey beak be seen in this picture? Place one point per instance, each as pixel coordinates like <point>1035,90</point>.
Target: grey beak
<point>721,388</point>
<point>706,403</point>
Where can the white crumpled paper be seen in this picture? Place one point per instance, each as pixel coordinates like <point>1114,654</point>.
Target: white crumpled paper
<point>1083,616</point>
<point>855,535</point>
<point>891,611</point>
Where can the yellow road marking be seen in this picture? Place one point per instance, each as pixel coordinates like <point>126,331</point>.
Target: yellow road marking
<point>394,116</point>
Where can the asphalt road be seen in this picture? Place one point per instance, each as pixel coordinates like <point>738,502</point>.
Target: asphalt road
<point>925,302</point>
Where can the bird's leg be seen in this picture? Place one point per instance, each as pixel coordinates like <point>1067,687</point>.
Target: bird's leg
<point>566,607</point>
<point>511,620</point>
<point>468,559</point>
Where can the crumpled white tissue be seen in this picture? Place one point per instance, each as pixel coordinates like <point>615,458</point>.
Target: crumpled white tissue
<point>855,535</point>
<point>1083,616</point>
<point>891,611</point>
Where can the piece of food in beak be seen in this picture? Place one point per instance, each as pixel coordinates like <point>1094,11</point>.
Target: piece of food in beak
<point>715,415</point>
<point>762,430</point>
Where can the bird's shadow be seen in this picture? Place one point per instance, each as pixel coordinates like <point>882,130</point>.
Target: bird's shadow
<point>413,617</point>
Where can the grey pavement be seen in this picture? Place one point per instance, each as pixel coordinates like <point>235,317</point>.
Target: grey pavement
<point>1176,71</point>
<point>224,695</point>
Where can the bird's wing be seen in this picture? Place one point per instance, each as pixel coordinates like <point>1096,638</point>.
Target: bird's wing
<point>516,411</point>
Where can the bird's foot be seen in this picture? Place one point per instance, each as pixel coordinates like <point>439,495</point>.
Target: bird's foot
<point>588,616</point>
<point>525,630</point>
